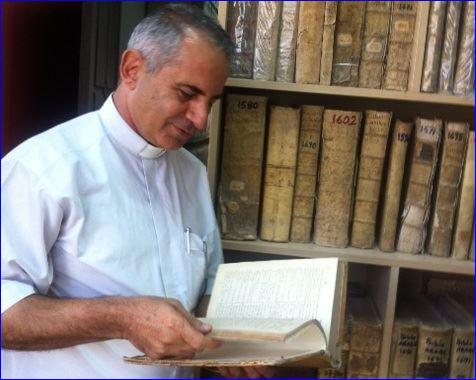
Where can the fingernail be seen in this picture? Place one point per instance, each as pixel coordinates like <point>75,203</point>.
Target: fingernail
<point>206,327</point>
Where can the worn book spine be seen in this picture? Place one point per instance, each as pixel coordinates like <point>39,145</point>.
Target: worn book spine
<point>403,348</point>
<point>309,41</point>
<point>464,219</point>
<point>306,173</point>
<point>402,26</point>
<point>374,44</point>
<point>462,342</point>
<point>363,364</point>
<point>240,182</point>
<point>330,15</point>
<point>434,39</point>
<point>434,342</point>
<point>372,156</point>
<point>450,46</point>
<point>449,178</point>
<point>266,42</point>
<point>416,209</point>
<point>347,43</point>
<point>393,187</point>
<point>464,75</point>
<point>241,27</point>
<point>280,170</point>
<point>335,188</point>
<point>287,42</point>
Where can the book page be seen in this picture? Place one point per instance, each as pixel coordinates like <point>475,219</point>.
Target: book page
<point>299,289</point>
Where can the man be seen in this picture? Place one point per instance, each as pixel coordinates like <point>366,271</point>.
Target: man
<point>108,237</point>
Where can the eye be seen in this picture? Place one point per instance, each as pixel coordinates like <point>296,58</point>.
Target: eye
<point>185,95</point>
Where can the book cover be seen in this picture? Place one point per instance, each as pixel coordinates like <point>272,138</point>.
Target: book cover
<point>287,42</point>
<point>374,43</point>
<point>434,40</point>
<point>416,208</point>
<point>372,156</point>
<point>330,16</point>
<point>447,186</point>
<point>266,41</point>
<point>465,214</point>
<point>240,181</point>
<point>450,47</point>
<point>309,42</point>
<point>280,172</point>
<point>464,75</point>
<point>335,187</point>
<point>347,43</point>
<point>241,27</point>
<point>400,43</point>
<point>401,135</point>
<point>306,173</point>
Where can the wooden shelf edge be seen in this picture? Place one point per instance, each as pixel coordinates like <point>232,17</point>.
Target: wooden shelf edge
<point>351,91</point>
<point>355,255</point>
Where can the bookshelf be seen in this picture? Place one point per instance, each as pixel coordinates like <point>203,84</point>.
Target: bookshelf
<point>381,271</point>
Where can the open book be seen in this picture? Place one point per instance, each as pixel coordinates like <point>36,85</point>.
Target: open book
<point>272,313</point>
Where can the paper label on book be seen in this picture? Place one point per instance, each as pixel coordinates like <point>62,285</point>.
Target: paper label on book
<point>402,26</point>
<point>374,46</point>
<point>344,39</point>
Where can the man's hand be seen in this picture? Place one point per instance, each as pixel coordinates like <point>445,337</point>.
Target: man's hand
<point>159,327</point>
<point>162,328</point>
<point>255,372</point>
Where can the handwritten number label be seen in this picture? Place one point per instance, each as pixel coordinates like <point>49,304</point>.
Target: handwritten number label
<point>344,119</point>
<point>247,105</point>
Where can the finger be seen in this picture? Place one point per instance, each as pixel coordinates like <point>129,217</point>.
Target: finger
<point>204,328</point>
<point>266,371</point>
<point>251,372</point>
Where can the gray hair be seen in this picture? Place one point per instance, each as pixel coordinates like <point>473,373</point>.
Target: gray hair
<point>158,37</point>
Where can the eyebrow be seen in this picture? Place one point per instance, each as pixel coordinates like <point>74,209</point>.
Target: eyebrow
<point>198,90</point>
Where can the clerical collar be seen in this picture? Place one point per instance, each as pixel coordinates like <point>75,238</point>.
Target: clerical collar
<point>124,134</point>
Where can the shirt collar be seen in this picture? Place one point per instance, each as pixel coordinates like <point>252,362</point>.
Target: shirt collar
<point>124,134</point>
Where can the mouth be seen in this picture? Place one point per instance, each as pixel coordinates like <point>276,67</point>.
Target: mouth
<point>182,132</point>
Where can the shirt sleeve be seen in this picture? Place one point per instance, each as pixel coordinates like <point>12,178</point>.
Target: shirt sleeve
<point>215,258</point>
<point>31,221</point>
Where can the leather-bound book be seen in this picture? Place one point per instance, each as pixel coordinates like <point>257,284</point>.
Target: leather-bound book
<point>240,182</point>
<point>280,171</point>
<point>330,16</point>
<point>335,187</point>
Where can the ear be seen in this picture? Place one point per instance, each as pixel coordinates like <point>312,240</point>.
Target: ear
<point>132,66</point>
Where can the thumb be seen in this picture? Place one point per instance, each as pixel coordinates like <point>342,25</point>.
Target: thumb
<point>204,328</point>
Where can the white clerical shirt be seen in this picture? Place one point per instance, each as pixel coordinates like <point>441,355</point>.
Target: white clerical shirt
<point>90,209</point>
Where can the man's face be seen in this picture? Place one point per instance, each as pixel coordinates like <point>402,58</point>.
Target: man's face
<point>169,106</point>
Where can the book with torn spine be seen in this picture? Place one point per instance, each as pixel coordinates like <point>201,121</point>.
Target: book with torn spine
<point>449,178</point>
<point>240,182</point>
<point>391,202</point>
<point>416,210</point>
<point>271,313</point>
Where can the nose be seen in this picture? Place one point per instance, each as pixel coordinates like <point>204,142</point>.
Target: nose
<point>197,113</point>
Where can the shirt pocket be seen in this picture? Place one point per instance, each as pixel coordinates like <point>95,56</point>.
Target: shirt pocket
<point>196,259</point>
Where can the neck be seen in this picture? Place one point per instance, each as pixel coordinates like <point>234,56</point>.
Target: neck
<point>120,102</point>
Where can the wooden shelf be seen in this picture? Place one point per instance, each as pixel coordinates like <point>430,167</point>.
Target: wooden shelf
<point>351,91</point>
<point>355,255</point>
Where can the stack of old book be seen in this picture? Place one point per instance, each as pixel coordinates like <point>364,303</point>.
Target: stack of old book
<point>338,178</point>
<point>432,338</point>
<point>449,54</point>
